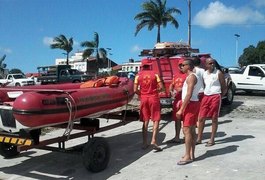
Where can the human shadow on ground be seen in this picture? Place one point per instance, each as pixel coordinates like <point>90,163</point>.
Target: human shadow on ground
<point>225,150</point>
<point>226,109</point>
<point>208,123</point>
<point>217,152</point>
<point>125,149</point>
<point>207,135</point>
<point>234,138</point>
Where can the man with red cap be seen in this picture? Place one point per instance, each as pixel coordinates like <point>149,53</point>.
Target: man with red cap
<point>175,89</point>
<point>147,85</point>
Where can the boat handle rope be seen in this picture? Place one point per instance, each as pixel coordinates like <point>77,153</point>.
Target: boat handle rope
<point>71,119</point>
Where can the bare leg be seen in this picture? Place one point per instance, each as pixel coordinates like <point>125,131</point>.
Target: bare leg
<point>155,132</point>
<point>177,130</point>
<point>201,123</point>
<point>144,132</point>
<point>188,143</point>
<point>214,129</point>
<point>193,144</point>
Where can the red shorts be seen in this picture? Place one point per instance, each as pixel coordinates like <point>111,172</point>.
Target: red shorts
<point>176,106</point>
<point>190,114</point>
<point>150,109</point>
<point>210,106</point>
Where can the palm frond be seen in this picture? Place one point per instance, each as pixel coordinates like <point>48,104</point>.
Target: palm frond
<point>155,13</point>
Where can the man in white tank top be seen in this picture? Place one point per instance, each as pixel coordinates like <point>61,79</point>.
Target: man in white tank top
<point>188,111</point>
<point>215,88</point>
<point>199,72</point>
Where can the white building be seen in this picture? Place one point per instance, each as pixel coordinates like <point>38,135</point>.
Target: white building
<point>76,61</point>
<point>131,66</point>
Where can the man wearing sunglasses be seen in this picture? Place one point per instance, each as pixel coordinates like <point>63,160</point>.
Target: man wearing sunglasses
<point>189,110</point>
<point>215,88</point>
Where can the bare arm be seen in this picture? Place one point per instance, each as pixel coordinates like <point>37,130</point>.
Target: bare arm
<point>135,87</point>
<point>191,81</point>
<point>222,83</point>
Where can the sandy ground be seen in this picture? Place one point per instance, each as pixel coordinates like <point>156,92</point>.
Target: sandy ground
<point>238,153</point>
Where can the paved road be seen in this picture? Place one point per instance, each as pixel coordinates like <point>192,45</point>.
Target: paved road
<point>238,153</point>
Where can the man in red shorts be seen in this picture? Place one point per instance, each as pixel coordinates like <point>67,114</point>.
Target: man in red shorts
<point>215,88</point>
<point>147,85</point>
<point>189,110</point>
<point>175,90</point>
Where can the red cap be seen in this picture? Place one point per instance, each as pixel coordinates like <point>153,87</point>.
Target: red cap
<point>146,62</point>
<point>180,61</point>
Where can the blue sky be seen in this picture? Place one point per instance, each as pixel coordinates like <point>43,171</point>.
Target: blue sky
<point>27,27</point>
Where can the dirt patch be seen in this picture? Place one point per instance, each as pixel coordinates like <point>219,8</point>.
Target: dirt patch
<point>246,106</point>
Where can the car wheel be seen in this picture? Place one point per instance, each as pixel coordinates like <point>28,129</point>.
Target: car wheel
<point>229,96</point>
<point>17,84</point>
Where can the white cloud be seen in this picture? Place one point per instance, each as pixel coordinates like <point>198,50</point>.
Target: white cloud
<point>6,50</point>
<point>136,48</point>
<point>47,41</point>
<point>217,14</point>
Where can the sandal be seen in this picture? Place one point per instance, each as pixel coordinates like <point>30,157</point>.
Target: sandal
<point>156,148</point>
<point>182,162</point>
<point>208,144</point>
<point>198,142</point>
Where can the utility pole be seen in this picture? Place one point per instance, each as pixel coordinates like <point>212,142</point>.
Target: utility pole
<point>189,22</point>
<point>237,37</point>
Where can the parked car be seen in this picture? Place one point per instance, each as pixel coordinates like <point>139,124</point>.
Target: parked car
<point>251,78</point>
<point>60,74</point>
<point>16,80</point>
<point>234,70</point>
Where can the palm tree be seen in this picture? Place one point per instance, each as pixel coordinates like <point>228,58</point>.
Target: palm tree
<point>92,47</point>
<point>154,14</point>
<point>2,65</point>
<point>61,42</point>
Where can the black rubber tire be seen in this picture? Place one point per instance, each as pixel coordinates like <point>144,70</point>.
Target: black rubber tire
<point>8,150</point>
<point>17,85</point>
<point>229,96</point>
<point>96,154</point>
<point>76,81</point>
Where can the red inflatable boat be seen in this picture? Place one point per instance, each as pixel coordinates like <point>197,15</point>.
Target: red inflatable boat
<point>45,105</point>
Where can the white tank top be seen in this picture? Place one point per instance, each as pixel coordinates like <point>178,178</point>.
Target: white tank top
<point>195,92</point>
<point>212,83</point>
<point>199,72</point>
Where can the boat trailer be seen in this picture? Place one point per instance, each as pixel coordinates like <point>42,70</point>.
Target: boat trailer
<point>96,151</point>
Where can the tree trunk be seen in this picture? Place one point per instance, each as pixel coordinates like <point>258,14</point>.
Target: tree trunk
<point>67,58</point>
<point>158,34</point>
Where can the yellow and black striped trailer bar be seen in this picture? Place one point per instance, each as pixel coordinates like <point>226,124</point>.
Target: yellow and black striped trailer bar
<point>15,140</point>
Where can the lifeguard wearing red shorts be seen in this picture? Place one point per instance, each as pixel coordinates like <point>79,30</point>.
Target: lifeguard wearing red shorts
<point>177,84</point>
<point>148,82</point>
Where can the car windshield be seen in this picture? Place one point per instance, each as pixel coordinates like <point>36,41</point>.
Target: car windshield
<point>19,76</point>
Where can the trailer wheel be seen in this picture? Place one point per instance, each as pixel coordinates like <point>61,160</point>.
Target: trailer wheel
<point>8,150</point>
<point>96,154</point>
